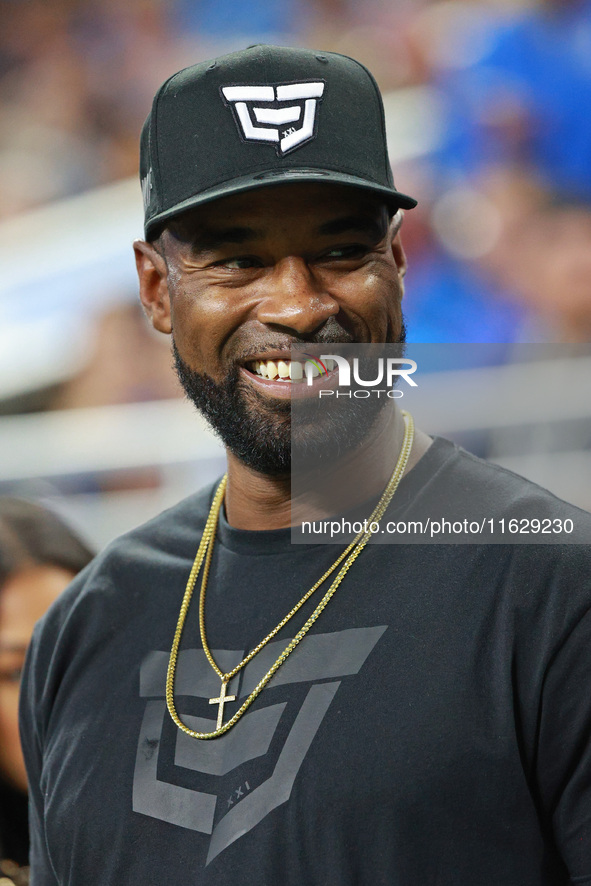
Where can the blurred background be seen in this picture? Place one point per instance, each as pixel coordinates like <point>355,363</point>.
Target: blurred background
<point>488,109</point>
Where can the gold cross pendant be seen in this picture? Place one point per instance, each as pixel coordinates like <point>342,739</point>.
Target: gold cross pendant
<point>221,701</point>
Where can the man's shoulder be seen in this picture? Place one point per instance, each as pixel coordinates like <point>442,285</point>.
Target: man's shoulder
<point>173,532</point>
<point>176,526</point>
<point>457,484</point>
<point>136,560</point>
<point>119,599</point>
<point>507,486</point>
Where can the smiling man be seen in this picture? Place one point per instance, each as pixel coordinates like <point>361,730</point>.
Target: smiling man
<point>301,263</point>
<point>400,714</point>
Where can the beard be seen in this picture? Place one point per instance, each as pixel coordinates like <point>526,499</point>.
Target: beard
<point>266,433</point>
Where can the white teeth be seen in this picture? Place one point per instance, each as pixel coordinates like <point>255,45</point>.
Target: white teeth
<point>296,373</point>
<point>330,364</point>
<point>282,370</point>
<point>312,368</point>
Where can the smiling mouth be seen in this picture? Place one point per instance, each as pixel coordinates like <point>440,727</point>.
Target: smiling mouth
<point>288,371</point>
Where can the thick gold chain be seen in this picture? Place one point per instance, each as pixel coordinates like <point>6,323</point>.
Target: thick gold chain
<point>204,553</point>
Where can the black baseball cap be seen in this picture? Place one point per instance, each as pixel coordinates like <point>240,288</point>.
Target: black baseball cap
<point>263,116</point>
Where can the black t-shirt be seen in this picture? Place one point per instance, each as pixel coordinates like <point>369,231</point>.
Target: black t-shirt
<point>434,726</point>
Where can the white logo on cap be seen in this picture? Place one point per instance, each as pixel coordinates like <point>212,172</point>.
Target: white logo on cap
<point>292,102</point>
<point>147,188</point>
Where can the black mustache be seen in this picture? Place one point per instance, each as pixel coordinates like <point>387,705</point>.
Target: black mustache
<point>330,334</point>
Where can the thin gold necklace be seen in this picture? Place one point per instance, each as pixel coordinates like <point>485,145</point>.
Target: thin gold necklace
<point>204,553</point>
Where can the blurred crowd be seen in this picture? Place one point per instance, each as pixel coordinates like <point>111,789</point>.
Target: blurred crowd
<point>488,105</point>
<point>498,94</point>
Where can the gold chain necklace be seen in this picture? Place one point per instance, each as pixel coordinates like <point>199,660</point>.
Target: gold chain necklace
<point>205,552</point>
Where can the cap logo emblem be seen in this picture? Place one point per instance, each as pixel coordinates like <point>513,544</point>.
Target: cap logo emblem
<point>147,188</point>
<point>284,115</point>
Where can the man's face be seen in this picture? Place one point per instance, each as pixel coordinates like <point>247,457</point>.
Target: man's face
<point>247,277</point>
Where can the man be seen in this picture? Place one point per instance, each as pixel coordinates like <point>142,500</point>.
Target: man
<point>402,714</point>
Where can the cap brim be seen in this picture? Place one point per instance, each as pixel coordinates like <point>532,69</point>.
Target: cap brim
<point>393,198</point>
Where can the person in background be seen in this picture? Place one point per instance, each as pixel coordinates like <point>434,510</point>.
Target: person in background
<point>554,284</point>
<point>39,556</point>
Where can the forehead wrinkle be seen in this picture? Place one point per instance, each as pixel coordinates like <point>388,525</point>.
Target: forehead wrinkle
<point>206,235</point>
<point>210,238</point>
<point>358,224</point>
<point>213,238</point>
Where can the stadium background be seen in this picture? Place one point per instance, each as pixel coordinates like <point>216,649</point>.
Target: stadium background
<point>488,111</point>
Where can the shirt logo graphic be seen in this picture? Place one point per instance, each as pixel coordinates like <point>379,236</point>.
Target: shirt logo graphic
<point>269,113</point>
<point>223,788</point>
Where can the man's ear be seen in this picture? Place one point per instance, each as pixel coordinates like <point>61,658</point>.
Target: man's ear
<point>397,248</point>
<point>153,278</point>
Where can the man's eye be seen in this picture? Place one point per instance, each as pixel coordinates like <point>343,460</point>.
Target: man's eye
<point>355,250</point>
<point>240,263</point>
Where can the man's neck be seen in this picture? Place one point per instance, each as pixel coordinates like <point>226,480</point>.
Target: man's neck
<point>258,501</point>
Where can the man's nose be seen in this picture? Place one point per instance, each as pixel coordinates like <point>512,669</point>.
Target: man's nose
<point>294,297</point>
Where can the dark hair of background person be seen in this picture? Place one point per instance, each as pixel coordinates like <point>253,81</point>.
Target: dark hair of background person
<point>31,535</point>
